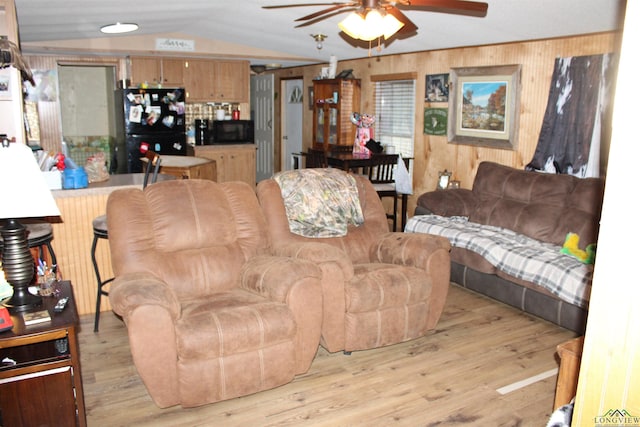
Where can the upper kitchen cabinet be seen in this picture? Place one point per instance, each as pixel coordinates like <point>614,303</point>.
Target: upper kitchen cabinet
<point>172,72</point>
<point>231,81</point>
<point>205,80</point>
<point>198,80</point>
<point>217,81</point>
<point>169,72</point>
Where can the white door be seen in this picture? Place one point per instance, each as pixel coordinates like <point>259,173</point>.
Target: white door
<point>292,108</point>
<point>262,115</point>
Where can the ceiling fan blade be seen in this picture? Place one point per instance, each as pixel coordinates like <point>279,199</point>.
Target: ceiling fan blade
<point>321,18</point>
<point>280,6</point>
<point>409,27</point>
<point>324,11</point>
<point>460,7</point>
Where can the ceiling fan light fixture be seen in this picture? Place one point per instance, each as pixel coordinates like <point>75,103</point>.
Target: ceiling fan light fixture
<point>319,38</point>
<point>119,28</point>
<point>352,25</point>
<point>371,27</point>
<point>390,25</point>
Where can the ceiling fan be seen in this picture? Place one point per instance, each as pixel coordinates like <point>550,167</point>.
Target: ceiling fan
<point>384,8</point>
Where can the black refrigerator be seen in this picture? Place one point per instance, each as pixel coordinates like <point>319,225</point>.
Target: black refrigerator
<point>148,119</point>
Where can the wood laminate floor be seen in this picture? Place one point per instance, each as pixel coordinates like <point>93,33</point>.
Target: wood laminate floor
<point>450,377</point>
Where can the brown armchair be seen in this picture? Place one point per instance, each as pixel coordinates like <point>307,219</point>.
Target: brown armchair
<point>210,313</point>
<point>379,288</point>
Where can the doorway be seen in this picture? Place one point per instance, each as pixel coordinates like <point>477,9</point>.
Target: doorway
<point>87,110</point>
<point>292,109</point>
<point>262,115</point>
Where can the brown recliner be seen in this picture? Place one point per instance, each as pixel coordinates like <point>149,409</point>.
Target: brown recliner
<point>379,288</point>
<point>210,313</point>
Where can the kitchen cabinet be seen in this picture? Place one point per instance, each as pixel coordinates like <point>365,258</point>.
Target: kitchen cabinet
<point>205,80</point>
<point>198,80</point>
<point>172,72</point>
<point>217,81</point>
<point>233,162</point>
<point>231,81</point>
<point>169,72</point>
<point>335,101</point>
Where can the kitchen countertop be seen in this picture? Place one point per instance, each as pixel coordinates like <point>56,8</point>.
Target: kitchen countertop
<point>105,187</point>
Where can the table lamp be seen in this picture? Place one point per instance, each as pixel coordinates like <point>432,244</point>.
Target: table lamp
<point>23,194</point>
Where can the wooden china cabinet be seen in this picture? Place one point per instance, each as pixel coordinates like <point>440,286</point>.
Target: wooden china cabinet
<point>335,100</point>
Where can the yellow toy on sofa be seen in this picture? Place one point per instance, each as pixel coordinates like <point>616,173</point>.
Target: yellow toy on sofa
<point>571,248</point>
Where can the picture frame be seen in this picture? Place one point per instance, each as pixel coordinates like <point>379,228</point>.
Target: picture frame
<point>444,177</point>
<point>5,86</point>
<point>484,106</point>
<point>437,88</point>
<point>435,121</point>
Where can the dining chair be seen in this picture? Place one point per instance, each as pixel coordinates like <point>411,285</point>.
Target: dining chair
<point>381,175</point>
<point>316,158</point>
<point>100,231</point>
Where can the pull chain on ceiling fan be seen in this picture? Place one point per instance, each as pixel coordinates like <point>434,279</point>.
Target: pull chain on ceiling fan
<point>374,19</point>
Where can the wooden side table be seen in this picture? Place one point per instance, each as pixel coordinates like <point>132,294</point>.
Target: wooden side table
<point>570,354</point>
<point>44,386</point>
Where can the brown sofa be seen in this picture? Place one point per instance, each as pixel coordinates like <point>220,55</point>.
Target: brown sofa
<point>542,206</point>
<point>379,288</point>
<point>210,313</point>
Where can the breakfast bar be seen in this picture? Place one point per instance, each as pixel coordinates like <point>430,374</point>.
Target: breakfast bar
<point>73,235</point>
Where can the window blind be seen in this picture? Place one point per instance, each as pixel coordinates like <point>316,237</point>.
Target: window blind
<point>395,114</point>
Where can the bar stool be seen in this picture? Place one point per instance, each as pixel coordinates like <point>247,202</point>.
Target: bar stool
<point>39,234</point>
<point>100,231</point>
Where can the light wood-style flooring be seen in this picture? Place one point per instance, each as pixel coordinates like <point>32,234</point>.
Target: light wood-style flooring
<point>447,378</point>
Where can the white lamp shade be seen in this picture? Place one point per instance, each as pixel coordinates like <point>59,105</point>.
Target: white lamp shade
<point>24,192</point>
<point>390,25</point>
<point>352,25</point>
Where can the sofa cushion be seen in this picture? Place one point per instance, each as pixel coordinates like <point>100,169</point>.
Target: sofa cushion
<point>542,206</point>
<point>378,286</point>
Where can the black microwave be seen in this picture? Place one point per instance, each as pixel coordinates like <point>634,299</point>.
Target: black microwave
<point>231,132</point>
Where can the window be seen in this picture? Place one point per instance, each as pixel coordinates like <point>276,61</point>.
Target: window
<point>395,114</point>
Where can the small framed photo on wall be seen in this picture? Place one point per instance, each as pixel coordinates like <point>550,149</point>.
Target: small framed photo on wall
<point>5,86</point>
<point>437,88</point>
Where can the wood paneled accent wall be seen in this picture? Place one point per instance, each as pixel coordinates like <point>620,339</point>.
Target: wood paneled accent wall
<point>434,153</point>
<point>72,240</point>
<point>49,111</point>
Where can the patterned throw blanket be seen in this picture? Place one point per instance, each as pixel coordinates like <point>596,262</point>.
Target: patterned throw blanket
<point>517,255</point>
<point>320,202</point>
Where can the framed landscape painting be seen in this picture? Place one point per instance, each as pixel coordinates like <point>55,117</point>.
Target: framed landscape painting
<point>483,106</point>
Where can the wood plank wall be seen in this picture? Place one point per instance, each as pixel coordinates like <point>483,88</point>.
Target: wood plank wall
<point>72,240</point>
<point>434,153</point>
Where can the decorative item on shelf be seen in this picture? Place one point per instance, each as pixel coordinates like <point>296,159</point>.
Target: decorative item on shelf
<point>364,133</point>
<point>24,193</point>
<point>10,56</point>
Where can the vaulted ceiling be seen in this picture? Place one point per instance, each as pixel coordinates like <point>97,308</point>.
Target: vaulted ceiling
<point>244,29</point>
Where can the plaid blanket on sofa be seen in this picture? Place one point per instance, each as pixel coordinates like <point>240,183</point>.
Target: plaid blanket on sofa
<point>514,254</point>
